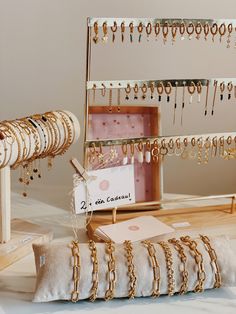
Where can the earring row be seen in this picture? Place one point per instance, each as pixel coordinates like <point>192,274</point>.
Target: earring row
<point>165,31</point>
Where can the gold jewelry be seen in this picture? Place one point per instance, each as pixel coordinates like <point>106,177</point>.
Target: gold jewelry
<point>155,151</point>
<point>199,91</point>
<point>169,267</point>
<point>156,268</point>
<point>131,30</point>
<point>222,88</point>
<point>165,31</point>
<point>214,30</point>
<point>214,97</point>
<point>207,93</point>
<point>157,29</point>
<point>173,32</point>
<point>191,90</point>
<point>222,146</point>
<point>124,148</point>
<point>184,154</point>
<point>183,266</point>
<point>140,29</point>
<point>230,29</point>
<point>114,29</point>
<point>175,104</point>
<point>136,88</point>
<point>110,99</point>
<point>111,265</point>
<point>103,91</point>
<point>230,88</point>
<point>152,88</point>
<point>95,29</point>
<point>192,245</point>
<point>168,89</point>
<point>183,102</point>
<point>131,269</point>
<point>178,149</point>
<point>94,259</point>
<point>122,28</point>
<point>148,152</point>
<point>192,153</point>
<point>207,146</point>
<point>144,91</point>
<point>214,147</point>
<point>105,30</point>
<point>182,29</point>
<point>198,30</point>
<point>140,152</point>
<point>148,30</point>
<point>206,30</point>
<point>127,90</point>
<point>171,147</point>
<point>76,270</point>
<point>190,30</point>
<point>222,30</point>
<point>214,262</point>
<point>199,152</point>
<point>118,100</point>
<point>160,89</point>
<point>94,93</point>
<point>163,148</point>
<point>132,152</point>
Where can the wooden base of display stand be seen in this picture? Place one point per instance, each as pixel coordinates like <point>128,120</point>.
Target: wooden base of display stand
<point>23,235</point>
<point>212,220</point>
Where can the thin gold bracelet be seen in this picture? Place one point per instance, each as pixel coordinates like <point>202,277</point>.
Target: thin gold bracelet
<point>111,265</point>
<point>94,259</point>
<point>131,269</point>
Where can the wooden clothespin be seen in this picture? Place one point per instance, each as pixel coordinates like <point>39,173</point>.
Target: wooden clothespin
<point>79,169</point>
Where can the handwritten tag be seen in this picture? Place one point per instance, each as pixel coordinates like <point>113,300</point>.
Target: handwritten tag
<point>108,188</point>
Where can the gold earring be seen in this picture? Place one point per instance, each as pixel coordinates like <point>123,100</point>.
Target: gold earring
<point>230,29</point>
<point>222,146</point>
<point>206,30</point>
<point>136,89</point>
<point>178,149</point>
<point>103,91</point>
<point>199,91</point>
<point>131,30</point>
<point>173,32</point>
<point>222,88</point>
<point>214,30</point>
<point>214,97</point>
<point>124,151</point>
<point>122,28</point>
<point>94,93</point>
<point>163,149</point>
<point>199,152</point>
<point>148,30</point>
<point>175,104</point>
<point>105,30</point>
<point>184,154</point>
<point>95,29</point>
<point>165,31</point>
<point>148,152</point>
<point>182,29</point>
<point>214,147</point>
<point>140,152</point>
<point>114,29</point>
<point>198,30</point>
<point>171,147</point>
<point>155,151</point>
<point>144,91</point>
<point>192,153</point>
<point>160,89</point>
<point>140,30</point>
<point>132,152</point>
<point>207,146</point>
<point>152,89</point>
<point>110,98</point>
<point>190,30</point>
<point>222,31</point>
<point>230,88</point>
<point>118,99</point>
<point>191,90</point>
<point>157,29</point>
<point>127,90</point>
<point>168,89</point>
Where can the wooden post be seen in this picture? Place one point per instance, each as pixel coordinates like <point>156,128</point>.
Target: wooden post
<point>5,205</point>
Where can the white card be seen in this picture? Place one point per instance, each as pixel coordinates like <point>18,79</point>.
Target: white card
<point>135,229</point>
<point>109,188</point>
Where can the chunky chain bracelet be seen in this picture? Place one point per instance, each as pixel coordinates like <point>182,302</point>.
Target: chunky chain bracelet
<point>131,268</point>
<point>94,290</point>
<point>111,264</point>
<point>76,270</point>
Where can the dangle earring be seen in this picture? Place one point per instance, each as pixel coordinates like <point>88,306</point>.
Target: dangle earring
<point>100,154</point>
<point>118,100</point>
<point>222,31</point>
<point>171,147</point>
<point>207,93</point>
<point>95,29</point>
<point>222,88</point>
<point>127,90</point>
<point>168,89</point>
<point>157,29</point>
<point>222,146</point>
<point>207,146</point>
<point>144,91</point>
<point>160,89</point>
<point>206,30</point>
<point>155,151</point>
<point>199,91</point>
<point>148,30</point>
<point>182,29</point>
<point>190,30</point>
<point>114,29</point>
<point>191,90</point>
<point>122,28</point>
<point>192,153</point>
<point>140,30</point>
<point>198,30</point>
<point>94,93</point>
<point>136,89</point>
<point>214,147</point>
<point>199,152</point>
<point>110,99</point>
<point>184,154</point>
<point>124,151</point>
<point>214,31</point>
<point>175,104</point>
<point>163,149</point>
<point>105,30</point>
<point>131,31</point>
<point>173,32</point>
<point>178,149</point>
<point>230,88</point>
<point>148,152</point>
<point>140,152</point>
<point>152,89</point>
<point>214,97</point>
<point>183,102</point>
<point>230,29</point>
<point>132,153</point>
<point>165,31</point>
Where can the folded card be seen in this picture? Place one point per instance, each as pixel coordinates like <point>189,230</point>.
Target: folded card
<point>105,188</point>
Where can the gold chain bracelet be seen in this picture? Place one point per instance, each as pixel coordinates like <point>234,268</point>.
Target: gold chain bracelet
<point>94,290</point>
<point>156,268</point>
<point>169,266</point>
<point>131,268</point>
<point>183,267</point>
<point>76,270</point>
<point>110,248</point>
<point>199,261</point>
<point>214,263</point>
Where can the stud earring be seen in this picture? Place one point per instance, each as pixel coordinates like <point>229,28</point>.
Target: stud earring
<point>175,104</point>
<point>127,90</point>
<point>168,89</point>
<point>222,88</point>
<point>165,31</point>
<point>160,89</point>
<point>190,30</point>
<point>114,29</point>
<point>199,91</point>
<point>131,31</point>
<point>198,30</point>
<point>206,30</point>
<point>105,30</point>
<point>95,29</point>
<point>182,29</point>
<point>214,31</point>
<point>230,88</point>
<point>140,152</point>
<point>122,28</point>
<point>124,151</point>
<point>148,152</point>
<point>214,97</point>
<point>222,31</point>
<point>148,30</point>
<point>144,91</point>
<point>191,90</point>
<point>136,89</point>
<point>157,29</point>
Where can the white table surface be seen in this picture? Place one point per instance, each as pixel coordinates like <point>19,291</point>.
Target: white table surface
<point>17,282</point>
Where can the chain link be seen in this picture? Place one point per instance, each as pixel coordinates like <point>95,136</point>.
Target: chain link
<point>110,248</point>
<point>76,270</point>
<point>94,290</point>
<point>183,267</point>
<point>214,263</point>
<point>156,268</point>
<point>169,266</point>
<point>199,261</point>
<point>131,268</point>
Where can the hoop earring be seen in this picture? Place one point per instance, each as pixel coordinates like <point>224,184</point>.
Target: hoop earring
<point>122,28</point>
<point>114,29</point>
<point>165,31</point>
<point>160,89</point>
<point>222,31</point>
<point>230,29</point>
<point>95,29</point>
<point>198,30</point>
<point>168,89</point>
<point>148,30</point>
<point>155,151</point>
<point>182,29</point>
<point>214,30</point>
<point>157,29</point>
<point>173,32</point>
<point>191,91</point>
<point>206,30</point>
<point>105,37</point>
<point>190,30</point>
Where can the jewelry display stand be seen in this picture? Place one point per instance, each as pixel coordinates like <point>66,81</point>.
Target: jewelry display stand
<point>219,218</point>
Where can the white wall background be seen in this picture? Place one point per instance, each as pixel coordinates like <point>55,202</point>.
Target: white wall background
<point>42,67</point>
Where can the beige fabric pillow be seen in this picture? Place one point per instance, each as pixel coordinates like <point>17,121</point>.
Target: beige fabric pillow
<point>54,266</point>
